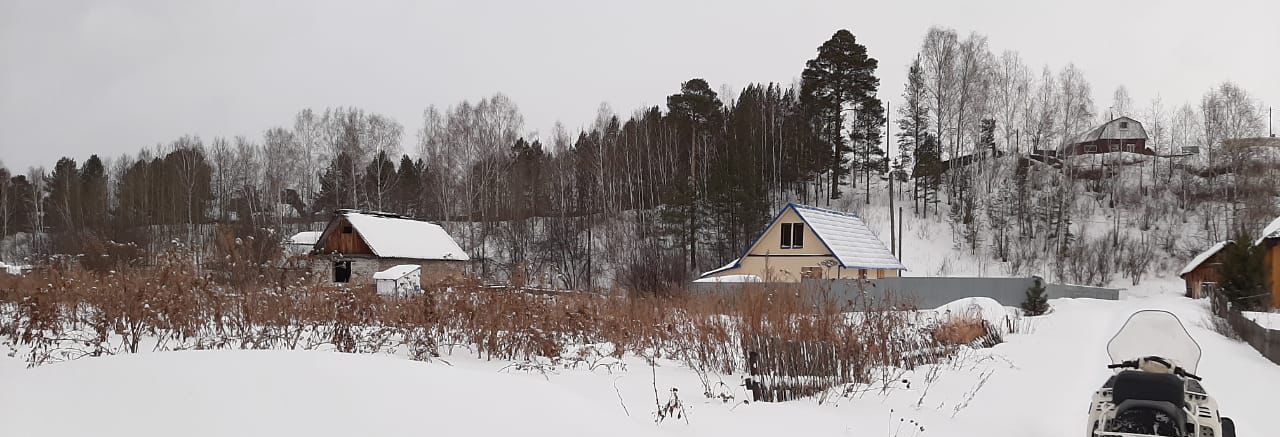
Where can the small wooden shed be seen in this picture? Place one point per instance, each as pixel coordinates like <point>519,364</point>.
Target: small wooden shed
<point>357,244</point>
<point>1201,274</point>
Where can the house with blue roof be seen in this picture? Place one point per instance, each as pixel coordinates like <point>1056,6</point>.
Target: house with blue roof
<point>806,242</point>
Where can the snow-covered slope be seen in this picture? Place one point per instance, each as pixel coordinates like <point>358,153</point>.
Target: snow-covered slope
<point>1038,383</point>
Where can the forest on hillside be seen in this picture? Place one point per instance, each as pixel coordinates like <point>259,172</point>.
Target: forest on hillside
<point>651,198</point>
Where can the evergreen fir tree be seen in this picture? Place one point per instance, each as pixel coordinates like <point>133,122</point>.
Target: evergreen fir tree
<point>1243,274</point>
<point>93,194</point>
<point>62,207</point>
<point>1037,302</point>
<point>404,196</point>
<point>335,183</point>
<point>379,182</point>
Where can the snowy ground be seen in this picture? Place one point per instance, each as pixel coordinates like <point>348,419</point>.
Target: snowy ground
<point>1036,384</point>
<point>1265,320</point>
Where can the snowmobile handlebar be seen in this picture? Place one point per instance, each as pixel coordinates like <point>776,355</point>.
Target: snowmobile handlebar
<point>1133,364</point>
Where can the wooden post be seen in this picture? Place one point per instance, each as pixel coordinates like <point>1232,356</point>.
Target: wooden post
<point>892,236</point>
<point>900,237</point>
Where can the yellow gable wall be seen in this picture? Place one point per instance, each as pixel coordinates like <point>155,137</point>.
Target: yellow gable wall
<point>769,261</point>
<point>1273,269</point>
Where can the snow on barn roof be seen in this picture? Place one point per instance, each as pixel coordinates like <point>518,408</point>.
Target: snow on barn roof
<point>397,272</point>
<point>392,236</point>
<point>305,238</point>
<point>849,239</point>
<point>1271,231</point>
<point>1202,257</point>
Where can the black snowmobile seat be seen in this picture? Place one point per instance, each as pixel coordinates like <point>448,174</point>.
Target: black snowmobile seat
<point>1136,385</point>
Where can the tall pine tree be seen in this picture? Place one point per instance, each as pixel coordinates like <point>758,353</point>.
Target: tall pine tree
<point>841,79</point>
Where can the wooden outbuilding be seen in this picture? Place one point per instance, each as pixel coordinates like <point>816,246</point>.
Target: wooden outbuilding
<point>1201,274</point>
<point>356,245</point>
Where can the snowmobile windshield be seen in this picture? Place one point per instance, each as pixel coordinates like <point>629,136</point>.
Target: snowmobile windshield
<point>1155,333</point>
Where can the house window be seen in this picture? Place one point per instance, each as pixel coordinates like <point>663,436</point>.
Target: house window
<point>879,273</point>
<point>1115,147</point>
<point>1090,148</point>
<point>1124,125</point>
<point>1128,147</point>
<point>342,271</point>
<point>792,235</point>
<point>347,229</point>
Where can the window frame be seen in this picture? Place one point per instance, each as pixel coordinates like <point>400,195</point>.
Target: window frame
<point>792,236</point>
<point>1090,148</point>
<point>1124,125</point>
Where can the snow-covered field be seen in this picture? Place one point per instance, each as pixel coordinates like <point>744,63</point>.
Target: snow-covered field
<point>1038,383</point>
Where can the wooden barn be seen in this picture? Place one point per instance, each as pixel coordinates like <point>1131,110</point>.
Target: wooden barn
<point>1122,134</point>
<point>1201,274</point>
<point>356,245</point>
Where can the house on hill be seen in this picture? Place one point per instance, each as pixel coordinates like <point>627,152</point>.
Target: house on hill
<point>1201,273</point>
<point>1122,134</point>
<point>805,242</point>
<point>360,244</point>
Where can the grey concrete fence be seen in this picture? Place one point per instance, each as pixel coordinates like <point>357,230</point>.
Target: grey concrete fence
<point>932,292</point>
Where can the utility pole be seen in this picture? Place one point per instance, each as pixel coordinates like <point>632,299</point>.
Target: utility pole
<point>900,236</point>
<point>892,236</point>
<point>891,181</point>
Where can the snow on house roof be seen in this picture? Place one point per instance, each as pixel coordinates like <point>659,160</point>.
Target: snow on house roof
<point>308,238</point>
<point>397,272</point>
<point>849,239</point>
<point>391,236</point>
<point>1271,231</point>
<point>1202,257</point>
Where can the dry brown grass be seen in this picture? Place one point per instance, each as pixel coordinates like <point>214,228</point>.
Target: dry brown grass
<point>800,342</point>
<point>960,331</point>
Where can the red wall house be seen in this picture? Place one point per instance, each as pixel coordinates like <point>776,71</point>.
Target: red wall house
<point>1123,134</point>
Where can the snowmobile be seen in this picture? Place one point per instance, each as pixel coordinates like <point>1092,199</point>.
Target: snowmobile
<point>1155,391</point>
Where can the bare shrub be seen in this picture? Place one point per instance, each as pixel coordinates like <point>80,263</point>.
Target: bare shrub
<point>791,340</point>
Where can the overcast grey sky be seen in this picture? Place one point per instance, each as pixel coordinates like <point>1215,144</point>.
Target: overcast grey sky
<point>80,77</point>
